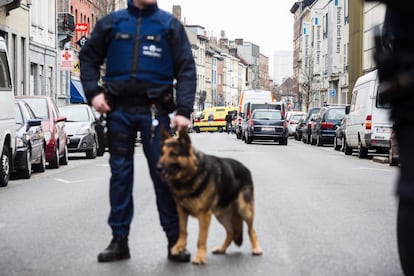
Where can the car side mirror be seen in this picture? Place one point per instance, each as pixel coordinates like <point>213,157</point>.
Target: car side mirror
<point>33,122</point>
<point>347,109</point>
<point>60,119</point>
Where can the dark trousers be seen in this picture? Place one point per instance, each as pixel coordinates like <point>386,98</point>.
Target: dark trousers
<point>405,189</point>
<point>405,236</point>
<point>122,130</point>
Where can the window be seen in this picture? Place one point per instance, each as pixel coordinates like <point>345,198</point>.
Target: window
<point>39,107</point>
<point>5,79</point>
<point>379,103</point>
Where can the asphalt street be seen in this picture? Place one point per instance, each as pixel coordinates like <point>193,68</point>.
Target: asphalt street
<point>318,212</point>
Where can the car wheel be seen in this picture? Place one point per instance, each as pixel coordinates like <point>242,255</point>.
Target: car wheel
<point>362,152</point>
<point>54,163</point>
<point>319,142</point>
<point>312,141</point>
<point>5,166</point>
<point>65,157</point>
<point>91,154</point>
<point>248,140</point>
<point>26,172</point>
<point>283,141</point>
<point>392,161</point>
<point>197,129</point>
<point>41,166</point>
<point>336,146</point>
<point>347,149</point>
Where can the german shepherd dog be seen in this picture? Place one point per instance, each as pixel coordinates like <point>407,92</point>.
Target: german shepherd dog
<point>203,185</point>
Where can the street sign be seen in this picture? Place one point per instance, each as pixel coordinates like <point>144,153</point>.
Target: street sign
<point>82,41</point>
<point>66,60</point>
<point>81,27</point>
<point>332,92</point>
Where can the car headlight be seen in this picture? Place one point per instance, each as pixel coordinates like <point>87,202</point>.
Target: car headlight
<point>19,142</point>
<point>84,130</point>
<point>47,135</point>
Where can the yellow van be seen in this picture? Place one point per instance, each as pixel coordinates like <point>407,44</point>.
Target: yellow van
<point>213,119</point>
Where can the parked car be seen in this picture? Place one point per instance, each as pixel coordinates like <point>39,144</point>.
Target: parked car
<point>394,153</point>
<point>328,118</point>
<point>339,135</point>
<point>292,121</point>
<point>81,129</point>
<point>101,132</point>
<point>53,125</point>
<point>309,119</point>
<point>266,124</point>
<point>299,129</point>
<point>30,142</point>
<point>368,124</point>
<point>7,123</point>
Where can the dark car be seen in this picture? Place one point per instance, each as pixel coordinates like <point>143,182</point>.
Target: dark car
<point>328,118</point>
<point>81,129</point>
<point>30,142</point>
<point>299,129</point>
<point>101,131</point>
<point>53,125</point>
<point>266,124</point>
<point>340,135</point>
<point>307,128</point>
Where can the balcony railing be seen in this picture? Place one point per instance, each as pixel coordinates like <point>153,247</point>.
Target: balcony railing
<point>66,23</point>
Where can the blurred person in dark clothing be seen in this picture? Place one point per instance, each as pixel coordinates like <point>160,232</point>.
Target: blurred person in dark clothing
<point>395,61</point>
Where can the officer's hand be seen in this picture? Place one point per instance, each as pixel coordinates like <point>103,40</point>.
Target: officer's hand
<point>180,122</point>
<point>100,103</point>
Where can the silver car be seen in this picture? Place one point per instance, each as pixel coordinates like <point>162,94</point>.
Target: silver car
<point>81,129</point>
<point>293,120</point>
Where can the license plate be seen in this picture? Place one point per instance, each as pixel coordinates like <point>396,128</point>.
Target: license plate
<point>383,130</point>
<point>268,129</point>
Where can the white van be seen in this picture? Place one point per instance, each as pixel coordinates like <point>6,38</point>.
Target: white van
<point>7,121</point>
<point>368,124</point>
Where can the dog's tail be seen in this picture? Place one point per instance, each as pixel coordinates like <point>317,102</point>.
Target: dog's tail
<point>237,229</point>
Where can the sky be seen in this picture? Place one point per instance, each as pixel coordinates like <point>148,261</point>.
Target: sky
<point>267,23</point>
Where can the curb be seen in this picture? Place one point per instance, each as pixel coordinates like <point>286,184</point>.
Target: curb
<point>380,159</point>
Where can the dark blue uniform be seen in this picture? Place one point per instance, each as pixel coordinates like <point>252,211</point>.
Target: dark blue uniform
<point>145,51</point>
<point>395,61</point>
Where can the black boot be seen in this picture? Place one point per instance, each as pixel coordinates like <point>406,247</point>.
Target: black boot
<point>182,257</point>
<point>117,250</point>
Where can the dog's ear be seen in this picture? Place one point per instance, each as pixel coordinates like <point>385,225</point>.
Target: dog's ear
<point>183,137</point>
<point>164,134</point>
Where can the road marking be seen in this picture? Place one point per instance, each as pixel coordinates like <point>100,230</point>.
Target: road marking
<point>102,165</point>
<point>374,169</point>
<point>335,156</point>
<point>73,181</point>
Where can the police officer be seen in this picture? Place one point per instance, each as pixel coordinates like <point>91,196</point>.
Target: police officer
<point>144,49</point>
<point>395,61</point>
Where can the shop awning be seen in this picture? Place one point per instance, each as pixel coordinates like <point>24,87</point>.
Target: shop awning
<point>77,95</point>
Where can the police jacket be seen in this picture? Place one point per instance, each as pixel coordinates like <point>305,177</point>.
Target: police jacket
<point>148,46</point>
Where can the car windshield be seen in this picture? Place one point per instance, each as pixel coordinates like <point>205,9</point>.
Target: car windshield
<point>296,118</point>
<point>39,107</point>
<point>266,115</point>
<point>74,114</point>
<point>335,114</point>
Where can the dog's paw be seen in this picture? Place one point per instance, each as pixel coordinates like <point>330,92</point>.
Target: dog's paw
<point>219,251</point>
<point>199,260</point>
<point>257,252</point>
<point>176,249</point>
